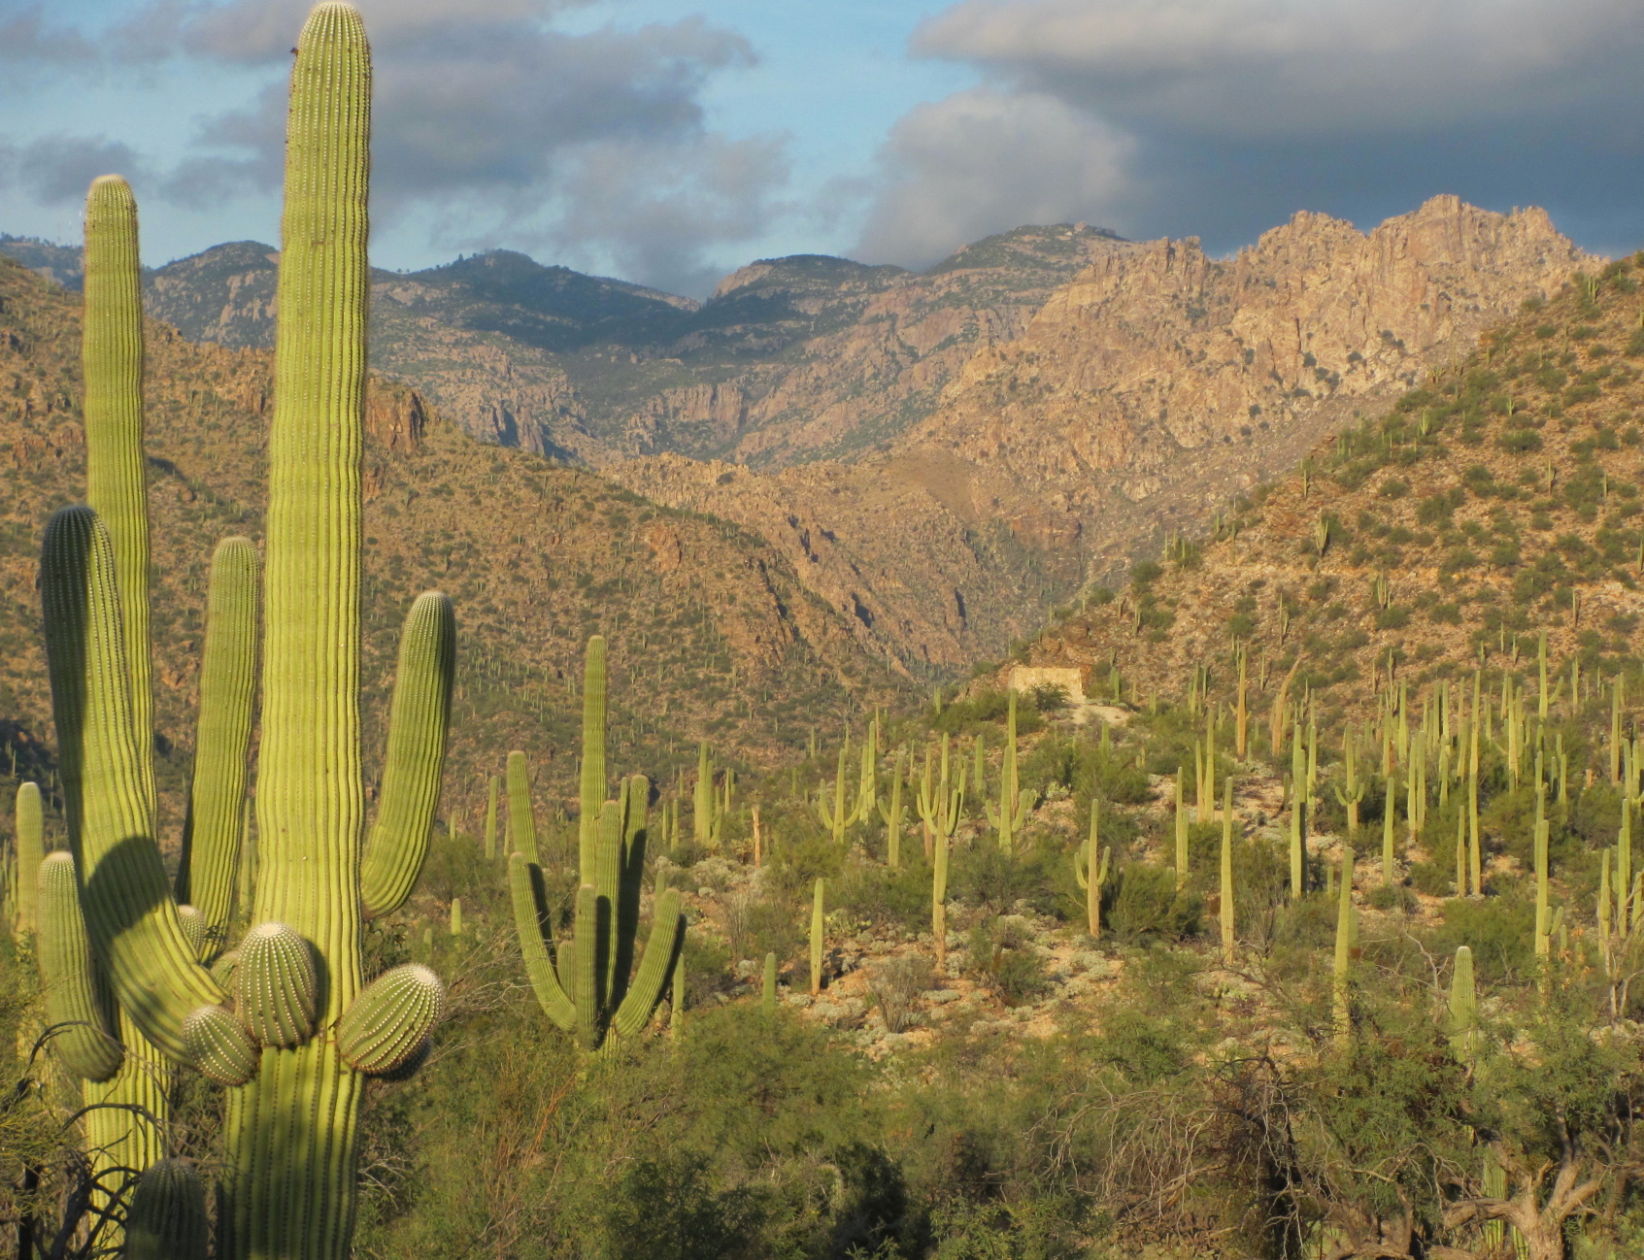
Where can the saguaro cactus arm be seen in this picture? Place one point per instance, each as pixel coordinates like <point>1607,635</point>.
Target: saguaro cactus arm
<point>530,922</point>
<point>418,721</point>
<point>222,742</point>
<point>75,1005</point>
<point>130,915</point>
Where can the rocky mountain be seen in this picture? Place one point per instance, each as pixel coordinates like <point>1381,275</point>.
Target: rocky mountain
<point>1499,500</point>
<point>712,633</point>
<point>1154,386</point>
<point>944,455</point>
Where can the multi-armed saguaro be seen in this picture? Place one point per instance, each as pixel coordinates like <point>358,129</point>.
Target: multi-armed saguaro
<point>300,1027</point>
<point>590,987</point>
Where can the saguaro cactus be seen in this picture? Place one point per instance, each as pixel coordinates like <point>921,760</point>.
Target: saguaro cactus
<point>1011,812</point>
<point>291,1133</point>
<point>591,989</point>
<point>1090,867</point>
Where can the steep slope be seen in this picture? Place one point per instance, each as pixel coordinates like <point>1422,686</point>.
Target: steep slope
<point>1500,499</point>
<point>712,635</point>
<point>1156,385</point>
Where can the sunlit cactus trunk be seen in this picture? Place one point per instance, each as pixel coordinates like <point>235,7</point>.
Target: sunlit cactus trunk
<point>293,1132</point>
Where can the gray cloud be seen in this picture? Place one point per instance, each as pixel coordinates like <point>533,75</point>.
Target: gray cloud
<point>58,169</point>
<point>1272,68</point>
<point>956,170</point>
<point>1240,112</point>
<point>26,39</point>
<point>486,116</point>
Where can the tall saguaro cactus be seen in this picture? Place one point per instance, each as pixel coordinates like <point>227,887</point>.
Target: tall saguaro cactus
<point>304,1027</point>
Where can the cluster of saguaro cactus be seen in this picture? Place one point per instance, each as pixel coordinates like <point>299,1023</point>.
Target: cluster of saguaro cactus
<point>941,796</point>
<point>291,1027</point>
<point>589,985</point>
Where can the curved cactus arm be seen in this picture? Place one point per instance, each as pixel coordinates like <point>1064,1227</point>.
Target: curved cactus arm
<point>591,777</point>
<point>23,888</point>
<point>222,740</point>
<point>76,1005</point>
<point>530,916</point>
<point>522,821</point>
<point>116,475</point>
<point>129,912</point>
<point>656,965</point>
<point>419,719</point>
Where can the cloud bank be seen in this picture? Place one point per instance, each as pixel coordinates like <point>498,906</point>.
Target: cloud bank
<point>489,124</point>
<point>1222,117</point>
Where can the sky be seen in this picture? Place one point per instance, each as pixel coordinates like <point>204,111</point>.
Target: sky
<point>670,141</point>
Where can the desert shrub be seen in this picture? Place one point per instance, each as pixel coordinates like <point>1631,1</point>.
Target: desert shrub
<point>896,987</point>
<point>1003,958</point>
<point>1146,902</point>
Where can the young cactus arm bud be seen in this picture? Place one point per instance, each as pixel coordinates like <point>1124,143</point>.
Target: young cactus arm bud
<point>167,1218</point>
<point>391,1019</point>
<point>419,718</point>
<point>222,739</point>
<point>655,966</point>
<point>126,897</point>
<point>530,918</point>
<point>75,1006</point>
<point>275,985</point>
<point>219,1047</point>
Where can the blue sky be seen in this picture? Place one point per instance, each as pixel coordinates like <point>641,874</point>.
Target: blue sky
<point>668,142</point>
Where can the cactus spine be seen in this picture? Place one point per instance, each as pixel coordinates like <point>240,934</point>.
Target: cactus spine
<point>838,818</point>
<point>705,819</point>
<point>1463,1023</point>
<point>222,745</point>
<point>492,789</point>
<point>22,884</point>
<point>1341,1014</point>
<point>891,815</point>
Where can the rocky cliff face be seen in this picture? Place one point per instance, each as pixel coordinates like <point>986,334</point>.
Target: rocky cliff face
<point>1154,386</point>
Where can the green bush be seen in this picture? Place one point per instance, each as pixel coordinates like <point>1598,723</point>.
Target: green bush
<point>1146,902</point>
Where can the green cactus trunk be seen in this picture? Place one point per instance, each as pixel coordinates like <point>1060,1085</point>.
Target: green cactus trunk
<point>31,850</point>
<point>591,778</point>
<point>817,921</point>
<point>293,1132</point>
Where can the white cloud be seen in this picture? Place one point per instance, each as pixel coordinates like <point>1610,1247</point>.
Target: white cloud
<point>975,163</point>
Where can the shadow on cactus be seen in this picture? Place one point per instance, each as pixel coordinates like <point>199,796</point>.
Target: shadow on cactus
<point>287,1020</point>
